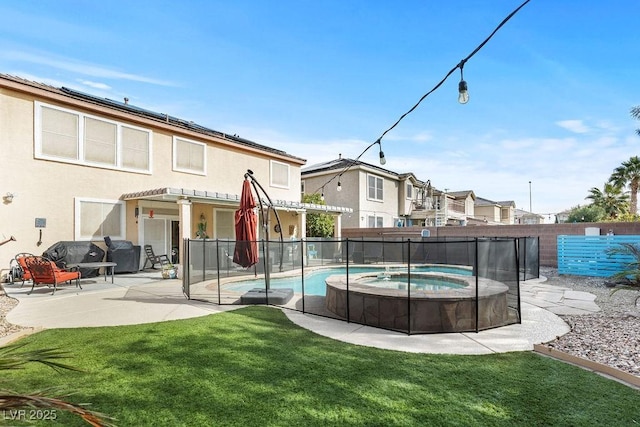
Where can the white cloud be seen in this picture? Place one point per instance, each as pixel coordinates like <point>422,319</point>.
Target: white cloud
<point>95,85</point>
<point>69,64</point>
<point>575,126</point>
<point>418,137</point>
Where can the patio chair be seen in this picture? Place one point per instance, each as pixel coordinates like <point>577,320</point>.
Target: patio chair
<point>154,259</point>
<point>19,268</point>
<point>45,272</point>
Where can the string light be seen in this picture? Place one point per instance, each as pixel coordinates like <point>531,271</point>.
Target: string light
<point>339,186</point>
<point>383,161</point>
<point>463,95</point>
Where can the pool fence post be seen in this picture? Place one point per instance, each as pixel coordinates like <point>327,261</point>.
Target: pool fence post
<point>475,261</point>
<point>347,308</point>
<point>303,248</point>
<point>518,246</point>
<point>218,269</point>
<point>408,286</point>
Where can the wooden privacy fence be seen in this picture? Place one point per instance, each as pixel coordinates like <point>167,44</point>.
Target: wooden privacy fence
<point>587,255</point>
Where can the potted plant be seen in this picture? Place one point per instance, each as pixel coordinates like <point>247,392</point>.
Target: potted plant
<point>169,271</point>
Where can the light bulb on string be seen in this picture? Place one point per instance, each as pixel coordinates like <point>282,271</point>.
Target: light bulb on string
<point>382,159</point>
<point>322,196</point>
<point>339,186</point>
<point>463,92</point>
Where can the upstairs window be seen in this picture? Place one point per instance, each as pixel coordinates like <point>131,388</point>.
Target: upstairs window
<point>409,191</point>
<point>189,156</point>
<point>374,184</point>
<point>279,174</point>
<point>73,137</point>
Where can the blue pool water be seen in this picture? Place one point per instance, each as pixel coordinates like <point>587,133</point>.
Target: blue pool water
<point>315,281</point>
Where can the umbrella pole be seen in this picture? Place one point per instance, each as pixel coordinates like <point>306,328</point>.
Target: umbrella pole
<point>265,240</point>
<point>254,183</point>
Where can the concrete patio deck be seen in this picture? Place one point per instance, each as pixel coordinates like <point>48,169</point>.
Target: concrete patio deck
<point>145,298</point>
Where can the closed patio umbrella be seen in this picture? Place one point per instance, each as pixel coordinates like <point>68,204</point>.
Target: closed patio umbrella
<point>246,222</point>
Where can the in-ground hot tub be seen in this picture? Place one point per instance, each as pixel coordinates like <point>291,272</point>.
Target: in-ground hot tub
<point>435,302</point>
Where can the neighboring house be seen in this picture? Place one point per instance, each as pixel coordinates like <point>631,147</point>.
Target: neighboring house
<point>491,212</point>
<point>563,216</point>
<point>371,191</point>
<point>80,167</point>
<point>525,217</point>
<point>460,208</point>
<point>383,198</point>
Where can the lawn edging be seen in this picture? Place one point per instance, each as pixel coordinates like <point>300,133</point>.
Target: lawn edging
<point>15,336</point>
<point>621,376</point>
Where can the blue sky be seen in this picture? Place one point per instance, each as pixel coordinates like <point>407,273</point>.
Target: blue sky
<point>550,93</point>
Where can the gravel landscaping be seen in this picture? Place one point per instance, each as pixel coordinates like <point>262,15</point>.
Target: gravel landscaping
<point>6,304</point>
<point>609,337</point>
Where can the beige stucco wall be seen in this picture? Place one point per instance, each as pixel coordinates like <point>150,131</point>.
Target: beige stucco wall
<point>491,213</point>
<point>348,197</point>
<point>354,195</point>
<point>387,208</point>
<point>47,189</point>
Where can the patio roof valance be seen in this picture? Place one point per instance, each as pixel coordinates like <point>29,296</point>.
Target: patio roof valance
<point>173,194</point>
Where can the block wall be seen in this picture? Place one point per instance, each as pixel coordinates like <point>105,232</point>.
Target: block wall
<point>548,233</point>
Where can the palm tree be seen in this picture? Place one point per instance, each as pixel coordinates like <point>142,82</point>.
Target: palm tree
<point>612,199</point>
<point>15,357</point>
<point>628,173</point>
<point>635,113</point>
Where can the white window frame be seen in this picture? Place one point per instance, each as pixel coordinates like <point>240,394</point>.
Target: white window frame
<point>176,140</point>
<point>408,190</point>
<point>301,188</point>
<point>276,185</point>
<point>378,179</point>
<point>77,218</point>
<point>378,221</point>
<point>81,137</point>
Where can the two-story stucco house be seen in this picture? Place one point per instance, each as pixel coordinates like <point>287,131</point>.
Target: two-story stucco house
<point>502,212</point>
<point>79,167</point>
<point>378,197</point>
<point>525,217</point>
<point>383,198</point>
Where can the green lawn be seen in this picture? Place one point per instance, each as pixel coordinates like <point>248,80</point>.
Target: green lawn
<point>253,367</point>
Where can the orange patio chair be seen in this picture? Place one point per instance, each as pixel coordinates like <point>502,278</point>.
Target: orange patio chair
<point>46,272</point>
<point>21,271</point>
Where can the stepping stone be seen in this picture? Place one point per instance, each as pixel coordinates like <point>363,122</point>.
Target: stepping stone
<point>584,296</point>
<point>588,306</point>
<point>260,296</point>
<point>550,296</point>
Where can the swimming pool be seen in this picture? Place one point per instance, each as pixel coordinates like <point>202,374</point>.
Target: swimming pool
<point>315,281</point>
